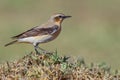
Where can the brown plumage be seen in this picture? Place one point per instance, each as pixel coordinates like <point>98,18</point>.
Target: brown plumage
<point>36,31</point>
<point>43,33</point>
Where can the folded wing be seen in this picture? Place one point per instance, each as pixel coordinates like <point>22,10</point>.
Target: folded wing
<point>37,31</point>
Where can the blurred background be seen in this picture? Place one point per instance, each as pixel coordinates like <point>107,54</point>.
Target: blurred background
<point>93,32</point>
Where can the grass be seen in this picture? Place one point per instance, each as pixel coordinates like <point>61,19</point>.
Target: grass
<point>51,66</point>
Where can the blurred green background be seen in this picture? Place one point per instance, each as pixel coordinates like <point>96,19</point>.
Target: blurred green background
<point>93,32</point>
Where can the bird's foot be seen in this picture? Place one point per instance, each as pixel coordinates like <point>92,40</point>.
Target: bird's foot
<point>37,52</point>
<point>41,51</point>
<point>44,51</point>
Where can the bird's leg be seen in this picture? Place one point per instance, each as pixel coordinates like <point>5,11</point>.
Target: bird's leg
<point>36,47</point>
<point>44,51</point>
<point>41,48</point>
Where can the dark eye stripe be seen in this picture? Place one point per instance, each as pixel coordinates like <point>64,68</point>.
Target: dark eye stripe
<point>60,16</point>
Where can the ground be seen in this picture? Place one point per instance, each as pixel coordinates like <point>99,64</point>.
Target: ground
<point>51,66</point>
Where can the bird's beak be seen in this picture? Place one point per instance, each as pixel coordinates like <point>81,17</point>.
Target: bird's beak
<point>67,17</point>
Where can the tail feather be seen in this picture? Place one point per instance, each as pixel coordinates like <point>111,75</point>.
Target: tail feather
<point>10,43</point>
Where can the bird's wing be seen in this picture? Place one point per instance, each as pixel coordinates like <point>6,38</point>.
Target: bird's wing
<point>37,31</point>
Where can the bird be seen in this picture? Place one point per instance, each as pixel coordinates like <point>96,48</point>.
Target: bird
<point>42,33</point>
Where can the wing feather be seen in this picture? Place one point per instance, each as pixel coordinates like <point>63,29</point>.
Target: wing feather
<point>37,31</point>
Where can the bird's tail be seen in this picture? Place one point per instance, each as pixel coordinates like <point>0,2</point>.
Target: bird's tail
<point>10,43</point>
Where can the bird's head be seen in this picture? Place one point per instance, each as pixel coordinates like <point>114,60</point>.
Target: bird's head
<point>58,18</point>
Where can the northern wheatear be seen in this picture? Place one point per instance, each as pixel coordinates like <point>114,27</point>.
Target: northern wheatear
<point>43,33</point>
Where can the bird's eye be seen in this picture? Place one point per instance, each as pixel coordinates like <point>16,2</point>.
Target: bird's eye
<point>60,16</point>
